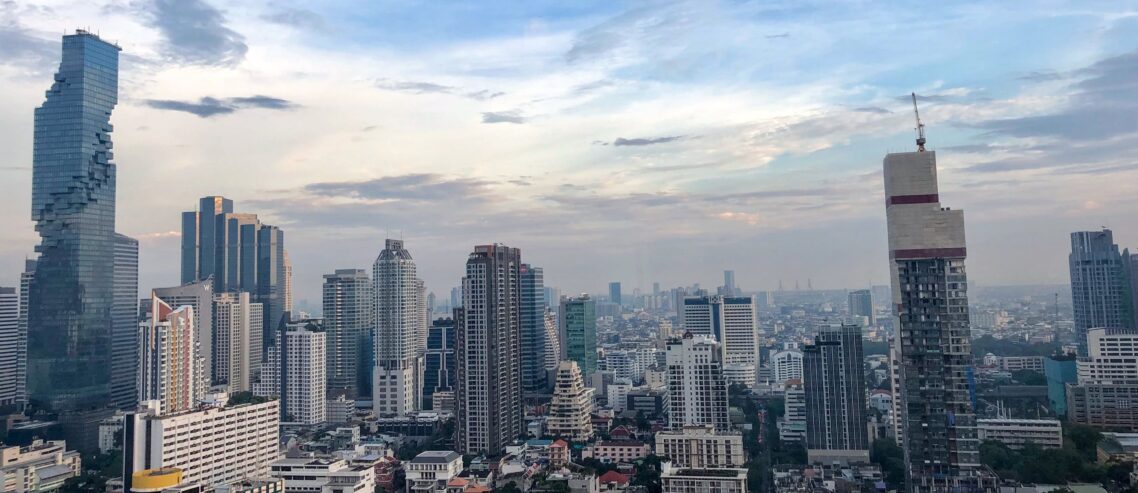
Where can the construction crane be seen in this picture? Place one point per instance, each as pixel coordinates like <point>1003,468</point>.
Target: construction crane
<point>920,126</point>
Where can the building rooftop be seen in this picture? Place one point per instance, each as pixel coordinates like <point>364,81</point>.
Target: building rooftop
<point>436,456</point>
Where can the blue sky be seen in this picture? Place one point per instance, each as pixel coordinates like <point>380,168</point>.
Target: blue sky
<point>638,141</point>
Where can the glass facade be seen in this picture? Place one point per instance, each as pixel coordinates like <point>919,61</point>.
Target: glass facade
<point>533,329</point>
<point>579,333</point>
<point>438,362</point>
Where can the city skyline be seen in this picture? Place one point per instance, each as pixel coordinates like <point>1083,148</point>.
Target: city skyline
<point>797,146</point>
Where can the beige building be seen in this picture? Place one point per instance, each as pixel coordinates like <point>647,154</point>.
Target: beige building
<point>41,466</point>
<point>572,406</point>
<point>701,447</point>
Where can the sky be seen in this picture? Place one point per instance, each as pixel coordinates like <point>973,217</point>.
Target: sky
<point>637,142</point>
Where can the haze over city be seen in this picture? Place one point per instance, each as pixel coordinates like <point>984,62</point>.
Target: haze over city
<point>640,142</point>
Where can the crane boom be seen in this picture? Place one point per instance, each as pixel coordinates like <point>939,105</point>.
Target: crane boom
<point>920,126</point>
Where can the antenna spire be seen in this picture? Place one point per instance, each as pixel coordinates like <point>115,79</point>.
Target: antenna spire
<point>920,126</point>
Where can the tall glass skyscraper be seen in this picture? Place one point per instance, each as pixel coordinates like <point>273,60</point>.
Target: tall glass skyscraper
<point>533,329</point>
<point>72,311</point>
<point>578,333</point>
<point>1100,290</point>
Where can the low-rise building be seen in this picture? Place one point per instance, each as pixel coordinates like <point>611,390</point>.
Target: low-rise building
<point>41,466</point>
<point>650,402</point>
<point>826,478</point>
<point>1017,433</point>
<point>323,475</point>
<point>685,480</point>
<point>430,471</point>
<point>617,450</point>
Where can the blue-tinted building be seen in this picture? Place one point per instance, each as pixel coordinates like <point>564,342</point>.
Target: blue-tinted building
<point>1059,372</point>
<point>438,362</point>
<point>533,328</point>
<point>73,313</point>
<point>578,333</point>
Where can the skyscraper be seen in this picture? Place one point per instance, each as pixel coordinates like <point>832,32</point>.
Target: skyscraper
<point>733,321</point>
<point>398,315</point>
<point>697,390</point>
<point>1100,290</point>
<point>294,370</point>
<point>930,296</point>
<point>533,329</point>
<point>861,305</point>
<point>199,296</point>
<point>349,313</point>
<point>287,282</point>
<point>578,333</point>
<point>488,398</point>
<point>238,350</point>
<point>438,363</point>
<point>729,287</point>
<point>9,347</point>
<point>614,292</point>
<point>22,345</point>
<point>834,381</point>
<point>571,409</point>
<point>170,370</point>
<point>71,311</point>
<point>124,316</point>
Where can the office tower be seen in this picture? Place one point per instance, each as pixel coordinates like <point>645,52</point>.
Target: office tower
<point>396,382</point>
<point>571,409</point>
<point>456,297</point>
<point>217,443</point>
<point>240,253</point>
<point>349,308</point>
<point>22,344</point>
<point>287,282</point>
<point>552,297</point>
<point>697,389</point>
<point>733,321</point>
<point>9,347</point>
<point>1107,381</point>
<point>533,329</point>
<point>170,370</point>
<point>1100,291</point>
<point>438,363</point>
<point>199,296</point>
<point>861,305</point>
<point>729,287</point>
<point>488,398</point>
<point>424,319</point>
<point>72,315</point>
<point>552,341</point>
<point>614,292</point>
<point>294,370</point>
<point>578,333</point>
<point>834,380</point>
<point>237,346</point>
<point>786,365</point>
<point>124,319</point>
<point>930,296</point>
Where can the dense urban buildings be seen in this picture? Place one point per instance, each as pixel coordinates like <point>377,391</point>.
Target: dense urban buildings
<point>697,389</point>
<point>533,329</point>
<point>237,346</point>
<point>733,321</point>
<point>834,381</point>
<point>349,307</point>
<point>73,313</point>
<point>1100,288</point>
<point>577,333</point>
<point>926,253</point>
<point>397,379</point>
<point>488,400</point>
<point>38,466</point>
<point>170,370</point>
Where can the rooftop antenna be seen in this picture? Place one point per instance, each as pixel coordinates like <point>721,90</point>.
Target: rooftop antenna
<point>920,126</point>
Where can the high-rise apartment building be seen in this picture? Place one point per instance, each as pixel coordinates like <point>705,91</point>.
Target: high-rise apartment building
<point>240,254</point>
<point>199,296</point>
<point>614,292</point>
<point>834,380</point>
<point>124,313</point>
<point>349,314</point>
<point>438,363</point>
<point>570,412</point>
<point>73,313</point>
<point>577,332</point>
<point>22,330</point>
<point>552,341</point>
<point>287,283</point>
<point>1107,381</point>
<point>397,380</point>
<point>697,389</point>
<point>733,321</point>
<point>9,347</point>
<point>1100,290</point>
<point>171,369</point>
<point>861,305</point>
<point>533,329</point>
<point>488,398</point>
<point>237,346</point>
<point>930,299</point>
<point>294,371</point>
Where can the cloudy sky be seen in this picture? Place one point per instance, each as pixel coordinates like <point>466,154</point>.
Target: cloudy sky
<point>640,142</point>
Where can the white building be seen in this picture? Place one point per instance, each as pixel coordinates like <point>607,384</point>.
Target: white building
<point>238,336</point>
<point>171,368</point>
<point>786,365</point>
<point>733,321</point>
<point>340,410</point>
<point>617,394</point>
<point>322,475</point>
<point>701,447</point>
<point>217,443</point>
<point>298,354</point>
<point>792,428</point>
<point>399,323</point>
<point>675,479</point>
<point>1017,433</point>
<point>697,389</point>
<point>199,296</point>
<point>1112,357</point>
<point>10,342</point>
<point>570,412</point>
<point>1017,363</point>
<point>552,340</point>
<point>623,364</point>
<point>430,471</point>
<point>41,466</point>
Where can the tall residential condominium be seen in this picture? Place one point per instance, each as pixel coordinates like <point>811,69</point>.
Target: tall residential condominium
<point>488,398</point>
<point>533,329</point>
<point>577,331</point>
<point>213,444</point>
<point>614,292</point>
<point>571,409</point>
<point>199,295</point>
<point>294,371</point>
<point>930,299</point>
<point>239,253</point>
<point>1100,290</point>
<point>697,389</point>
<point>170,370</point>
<point>396,382</point>
<point>9,347</point>
<point>349,308</point>
<point>22,344</point>
<point>237,347</point>
<point>552,341</point>
<point>287,292</point>
<point>1107,381</point>
<point>861,305</point>
<point>834,380</point>
<point>438,363</point>
<point>73,314</point>
<point>733,321</point>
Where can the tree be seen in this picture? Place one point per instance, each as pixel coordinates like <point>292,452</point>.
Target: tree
<point>891,458</point>
<point>510,487</point>
<point>1084,438</point>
